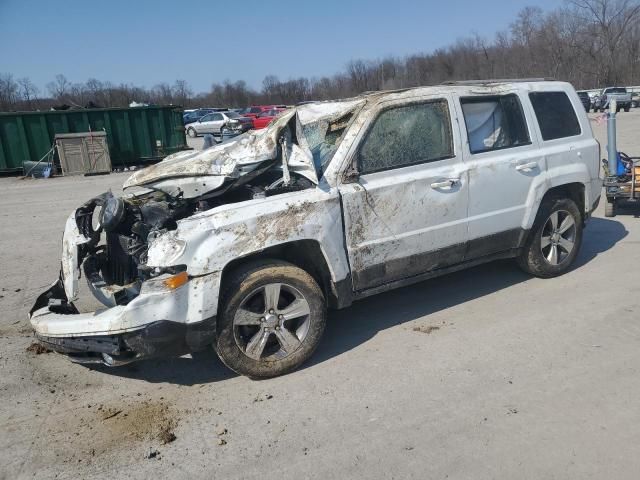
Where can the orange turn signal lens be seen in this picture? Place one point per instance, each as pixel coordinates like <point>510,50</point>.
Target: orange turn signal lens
<point>176,280</point>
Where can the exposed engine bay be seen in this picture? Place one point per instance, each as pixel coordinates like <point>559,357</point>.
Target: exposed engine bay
<point>120,228</point>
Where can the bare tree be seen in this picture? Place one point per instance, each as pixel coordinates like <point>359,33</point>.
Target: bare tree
<point>8,91</point>
<point>181,92</point>
<point>28,91</point>
<point>60,87</point>
<point>609,20</point>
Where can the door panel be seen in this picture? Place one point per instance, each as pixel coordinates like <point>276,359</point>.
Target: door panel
<point>401,222</point>
<point>500,180</point>
<point>398,225</point>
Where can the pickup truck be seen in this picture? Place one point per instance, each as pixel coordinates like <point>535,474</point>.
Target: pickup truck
<point>622,97</point>
<point>244,247</point>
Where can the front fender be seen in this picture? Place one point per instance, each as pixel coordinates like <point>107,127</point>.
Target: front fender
<point>207,242</point>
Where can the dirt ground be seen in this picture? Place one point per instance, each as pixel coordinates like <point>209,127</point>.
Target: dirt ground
<point>486,373</point>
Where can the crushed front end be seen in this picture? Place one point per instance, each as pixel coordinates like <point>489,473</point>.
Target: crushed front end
<point>155,258</point>
<point>147,308</point>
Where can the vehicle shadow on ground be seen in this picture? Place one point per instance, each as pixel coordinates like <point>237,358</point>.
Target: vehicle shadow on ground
<point>197,368</point>
<point>348,328</point>
<point>600,235</point>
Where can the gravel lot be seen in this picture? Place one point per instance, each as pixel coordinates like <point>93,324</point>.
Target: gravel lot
<point>486,373</point>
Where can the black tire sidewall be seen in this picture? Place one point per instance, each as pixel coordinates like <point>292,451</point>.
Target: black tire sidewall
<point>191,129</point>
<point>243,282</point>
<point>532,259</point>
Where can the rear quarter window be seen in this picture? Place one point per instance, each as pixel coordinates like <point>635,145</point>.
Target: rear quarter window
<point>555,114</point>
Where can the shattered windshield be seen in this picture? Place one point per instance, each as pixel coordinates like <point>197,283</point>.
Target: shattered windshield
<point>323,125</point>
<point>324,137</point>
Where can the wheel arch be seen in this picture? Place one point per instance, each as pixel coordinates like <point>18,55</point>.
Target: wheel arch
<point>308,255</point>
<point>575,191</point>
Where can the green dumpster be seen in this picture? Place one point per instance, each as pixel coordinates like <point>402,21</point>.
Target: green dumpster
<point>136,135</point>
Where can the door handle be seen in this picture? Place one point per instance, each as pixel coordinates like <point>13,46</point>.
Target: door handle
<point>449,183</point>
<point>527,166</point>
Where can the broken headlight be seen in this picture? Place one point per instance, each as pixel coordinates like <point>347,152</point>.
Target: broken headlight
<point>113,212</point>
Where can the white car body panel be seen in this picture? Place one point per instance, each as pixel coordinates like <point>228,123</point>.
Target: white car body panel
<point>385,217</point>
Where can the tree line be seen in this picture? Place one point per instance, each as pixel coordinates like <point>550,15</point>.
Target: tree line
<point>590,43</point>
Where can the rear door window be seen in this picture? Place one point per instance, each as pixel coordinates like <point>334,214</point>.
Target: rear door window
<point>494,123</point>
<point>555,114</point>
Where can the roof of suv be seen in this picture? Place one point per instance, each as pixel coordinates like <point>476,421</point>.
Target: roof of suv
<point>471,87</point>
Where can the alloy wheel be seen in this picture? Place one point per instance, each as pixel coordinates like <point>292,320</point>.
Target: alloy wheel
<point>271,322</point>
<point>558,237</point>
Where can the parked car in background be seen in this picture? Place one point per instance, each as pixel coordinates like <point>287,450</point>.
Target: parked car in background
<point>585,99</point>
<point>215,122</point>
<point>244,247</point>
<point>255,110</point>
<point>622,97</point>
<point>635,100</point>
<point>265,118</point>
<point>192,116</point>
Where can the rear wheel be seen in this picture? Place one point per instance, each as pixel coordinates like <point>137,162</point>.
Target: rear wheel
<point>610,207</point>
<point>554,240</point>
<point>272,317</point>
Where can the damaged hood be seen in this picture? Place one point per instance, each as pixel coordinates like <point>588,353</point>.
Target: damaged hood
<point>211,168</point>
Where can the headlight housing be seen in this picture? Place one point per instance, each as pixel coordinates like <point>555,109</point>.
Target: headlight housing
<point>113,212</point>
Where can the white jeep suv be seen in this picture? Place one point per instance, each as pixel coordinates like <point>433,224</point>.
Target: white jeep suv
<point>245,245</point>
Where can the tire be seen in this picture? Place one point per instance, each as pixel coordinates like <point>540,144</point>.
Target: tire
<point>537,257</point>
<point>610,207</point>
<point>253,338</point>
<point>627,108</point>
<point>192,132</point>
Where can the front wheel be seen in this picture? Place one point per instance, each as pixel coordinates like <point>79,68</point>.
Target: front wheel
<point>554,240</point>
<point>272,317</point>
<point>192,132</point>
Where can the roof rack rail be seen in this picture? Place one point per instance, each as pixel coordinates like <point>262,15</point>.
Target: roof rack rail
<point>496,80</point>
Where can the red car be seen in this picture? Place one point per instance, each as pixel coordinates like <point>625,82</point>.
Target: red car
<point>263,119</point>
<point>256,110</point>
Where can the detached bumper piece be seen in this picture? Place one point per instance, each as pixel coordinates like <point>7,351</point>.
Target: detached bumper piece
<point>163,338</point>
<point>56,299</point>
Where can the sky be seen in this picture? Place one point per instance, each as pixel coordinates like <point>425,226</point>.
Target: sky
<point>145,42</point>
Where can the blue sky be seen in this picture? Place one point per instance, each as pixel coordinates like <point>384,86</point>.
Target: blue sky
<point>203,41</point>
